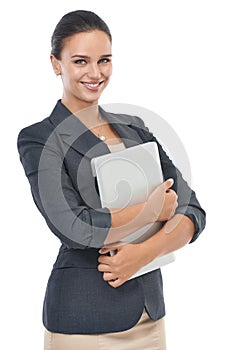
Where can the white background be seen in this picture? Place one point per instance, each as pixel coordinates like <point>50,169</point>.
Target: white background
<point>172,57</point>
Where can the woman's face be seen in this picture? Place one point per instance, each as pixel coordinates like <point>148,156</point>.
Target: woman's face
<point>85,67</point>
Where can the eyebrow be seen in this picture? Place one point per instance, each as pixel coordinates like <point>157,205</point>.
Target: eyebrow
<point>84,56</point>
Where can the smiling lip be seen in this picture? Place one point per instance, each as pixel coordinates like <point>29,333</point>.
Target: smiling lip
<point>92,85</point>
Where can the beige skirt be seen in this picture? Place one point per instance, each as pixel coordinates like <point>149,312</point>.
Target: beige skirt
<point>146,334</point>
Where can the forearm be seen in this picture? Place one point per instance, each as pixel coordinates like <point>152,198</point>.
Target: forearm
<point>125,221</point>
<point>160,206</point>
<point>175,234</point>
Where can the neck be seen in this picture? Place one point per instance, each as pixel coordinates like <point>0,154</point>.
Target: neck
<point>87,114</point>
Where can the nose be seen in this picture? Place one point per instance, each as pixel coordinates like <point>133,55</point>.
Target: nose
<point>94,71</point>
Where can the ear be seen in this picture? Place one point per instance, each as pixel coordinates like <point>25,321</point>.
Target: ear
<point>55,64</point>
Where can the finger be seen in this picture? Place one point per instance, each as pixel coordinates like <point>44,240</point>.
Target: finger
<point>104,259</point>
<point>111,250</point>
<point>170,191</point>
<point>104,250</point>
<point>168,183</point>
<point>104,268</point>
<point>174,208</point>
<point>108,277</point>
<point>116,283</point>
<point>174,197</point>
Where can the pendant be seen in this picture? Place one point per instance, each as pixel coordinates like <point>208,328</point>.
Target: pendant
<point>102,137</point>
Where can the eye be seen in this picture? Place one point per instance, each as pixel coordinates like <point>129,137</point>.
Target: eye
<point>104,60</point>
<point>81,62</point>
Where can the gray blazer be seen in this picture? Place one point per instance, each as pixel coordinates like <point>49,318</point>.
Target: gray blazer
<point>56,154</point>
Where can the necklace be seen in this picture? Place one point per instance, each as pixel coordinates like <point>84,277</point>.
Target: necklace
<point>100,136</point>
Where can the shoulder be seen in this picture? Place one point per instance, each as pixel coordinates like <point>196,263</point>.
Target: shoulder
<point>45,127</point>
<point>32,139</point>
<point>40,129</point>
<point>30,143</point>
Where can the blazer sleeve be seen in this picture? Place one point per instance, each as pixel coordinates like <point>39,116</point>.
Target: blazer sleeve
<point>75,224</point>
<point>188,203</point>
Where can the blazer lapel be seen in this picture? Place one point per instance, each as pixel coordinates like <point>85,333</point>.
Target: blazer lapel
<point>123,126</point>
<point>76,135</point>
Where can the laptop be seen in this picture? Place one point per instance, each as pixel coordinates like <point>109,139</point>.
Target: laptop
<point>126,178</point>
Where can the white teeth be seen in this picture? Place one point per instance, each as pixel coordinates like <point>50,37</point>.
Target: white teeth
<point>92,85</point>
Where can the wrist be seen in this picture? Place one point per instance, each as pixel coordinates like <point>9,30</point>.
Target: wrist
<point>150,213</point>
<point>147,252</point>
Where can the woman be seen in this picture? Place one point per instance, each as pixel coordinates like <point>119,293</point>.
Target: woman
<point>90,303</point>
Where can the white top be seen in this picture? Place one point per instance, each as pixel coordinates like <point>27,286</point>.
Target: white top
<point>116,147</point>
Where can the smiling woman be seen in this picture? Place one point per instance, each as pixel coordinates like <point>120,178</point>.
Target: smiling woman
<point>90,301</point>
<point>85,67</point>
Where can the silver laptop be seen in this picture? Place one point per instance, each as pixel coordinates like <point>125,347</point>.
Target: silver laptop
<point>126,178</point>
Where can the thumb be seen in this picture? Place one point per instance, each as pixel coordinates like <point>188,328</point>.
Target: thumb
<point>108,250</point>
<point>168,183</point>
<point>104,250</point>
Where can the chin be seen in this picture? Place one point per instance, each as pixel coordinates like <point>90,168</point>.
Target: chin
<point>91,100</point>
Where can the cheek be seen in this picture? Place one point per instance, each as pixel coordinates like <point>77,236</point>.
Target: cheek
<point>108,71</point>
<point>77,74</point>
<point>73,74</point>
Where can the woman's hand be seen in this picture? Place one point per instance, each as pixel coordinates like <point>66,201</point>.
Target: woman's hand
<point>126,261</point>
<point>162,202</point>
<point>129,258</point>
